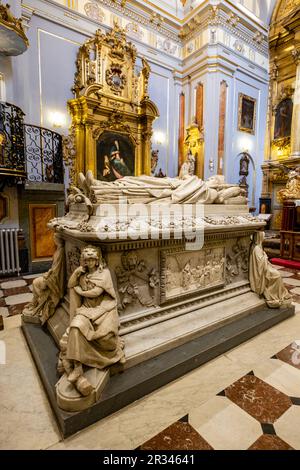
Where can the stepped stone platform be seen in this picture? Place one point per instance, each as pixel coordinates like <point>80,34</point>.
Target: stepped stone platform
<point>170,355</point>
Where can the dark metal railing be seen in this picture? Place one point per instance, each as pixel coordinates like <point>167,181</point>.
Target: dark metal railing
<point>26,151</point>
<point>12,152</point>
<point>43,150</point>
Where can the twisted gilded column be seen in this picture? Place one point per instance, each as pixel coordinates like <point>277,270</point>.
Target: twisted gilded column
<point>295,133</point>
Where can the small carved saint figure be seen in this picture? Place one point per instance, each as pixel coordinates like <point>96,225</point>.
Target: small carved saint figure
<point>188,167</point>
<point>92,340</point>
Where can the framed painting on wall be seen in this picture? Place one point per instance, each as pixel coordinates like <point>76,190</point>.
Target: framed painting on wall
<point>247,114</point>
<point>283,119</point>
<point>115,156</point>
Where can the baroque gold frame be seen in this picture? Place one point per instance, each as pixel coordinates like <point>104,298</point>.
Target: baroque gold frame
<point>240,127</point>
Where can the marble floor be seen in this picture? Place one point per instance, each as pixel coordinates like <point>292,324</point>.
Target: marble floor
<point>248,398</point>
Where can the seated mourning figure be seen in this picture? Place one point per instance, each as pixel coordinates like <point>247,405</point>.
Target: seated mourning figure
<point>92,338</point>
<point>150,190</point>
<point>264,278</point>
<point>47,289</point>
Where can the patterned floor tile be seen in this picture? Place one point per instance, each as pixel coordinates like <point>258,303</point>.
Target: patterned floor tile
<point>287,427</point>
<point>16,290</point>
<point>259,399</point>
<point>292,282</point>
<point>178,436</point>
<point>18,298</point>
<point>16,309</point>
<point>13,284</point>
<point>280,375</point>
<point>4,311</point>
<point>286,274</point>
<point>267,442</point>
<point>296,291</point>
<point>225,425</point>
<point>291,354</point>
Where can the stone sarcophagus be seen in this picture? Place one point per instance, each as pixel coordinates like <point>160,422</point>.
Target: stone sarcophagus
<point>152,277</point>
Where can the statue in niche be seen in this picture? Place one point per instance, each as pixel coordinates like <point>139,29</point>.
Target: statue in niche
<point>188,167</point>
<point>264,278</point>
<point>136,282</point>
<point>47,289</point>
<point>92,339</point>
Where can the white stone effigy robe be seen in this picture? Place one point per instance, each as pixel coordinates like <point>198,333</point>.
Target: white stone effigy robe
<point>148,190</point>
<point>265,279</point>
<point>93,338</point>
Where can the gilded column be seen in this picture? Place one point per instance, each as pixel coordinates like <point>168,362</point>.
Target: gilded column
<point>295,133</point>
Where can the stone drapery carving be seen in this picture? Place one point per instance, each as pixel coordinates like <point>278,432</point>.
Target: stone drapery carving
<point>136,281</point>
<point>148,189</point>
<point>48,289</point>
<point>92,339</point>
<point>265,280</point>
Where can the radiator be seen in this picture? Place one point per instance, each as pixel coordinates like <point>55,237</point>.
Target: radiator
<point>9,252</point>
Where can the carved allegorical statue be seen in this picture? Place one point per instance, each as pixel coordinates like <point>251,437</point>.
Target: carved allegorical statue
<point>48,289</point>
<point>148,189</point>
<point>292,189</point>
<point>92,340</point>
<point>264,278</point>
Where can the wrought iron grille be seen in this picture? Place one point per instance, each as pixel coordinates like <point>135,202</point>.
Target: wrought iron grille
<point>12,161</point>
<point>43,150</point>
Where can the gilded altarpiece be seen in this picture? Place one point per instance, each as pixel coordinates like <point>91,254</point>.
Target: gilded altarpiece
<point>111,99</point>
<point>281,140</point>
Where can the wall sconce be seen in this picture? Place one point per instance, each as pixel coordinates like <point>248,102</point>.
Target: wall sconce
<point>159,137</point>
<point>57,119</point>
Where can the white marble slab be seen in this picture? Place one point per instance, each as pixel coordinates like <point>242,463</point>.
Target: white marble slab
<point>4,311</point>
<point>27,421</point>
<point>33,276</point>
<point>288,425</point>
<point>225,425</point>
<point>292,282</point>
<point>149,342</point>
<point>13,284</point>
<point>18,299</point>
<point>286,274</point>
